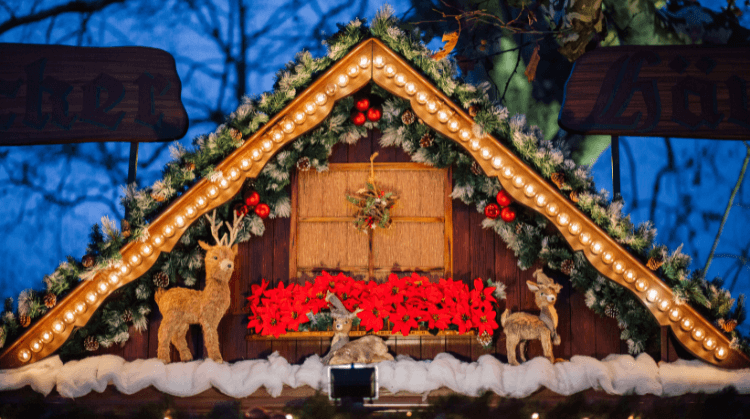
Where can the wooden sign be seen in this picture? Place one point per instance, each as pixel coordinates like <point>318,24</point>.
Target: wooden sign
<point>664,91</point>
<point>51,94</point>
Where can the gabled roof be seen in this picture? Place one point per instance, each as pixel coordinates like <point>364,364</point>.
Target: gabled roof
<point>372,60</point>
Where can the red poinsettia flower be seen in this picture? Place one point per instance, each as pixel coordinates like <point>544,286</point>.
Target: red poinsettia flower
<point>280,294</point>
<point>256,292</point>
<point>403,321</point>
<point>481,296</point>
<point>437,318</point>
<point>374,312</point>
<point>294,314</point>
<point>273,324</point>
<point>462,318</point>
<point>256,320</point>
<point>396,287</point>
<point>485,322</point>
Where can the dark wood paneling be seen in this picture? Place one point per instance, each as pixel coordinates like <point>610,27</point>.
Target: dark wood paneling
<point>582,326</point>
<point>482,249</point>
<point>137,345</point>
<point>232,331</point>
<point>460,347</point>
<point>607,337</point>
<point>461,237</point>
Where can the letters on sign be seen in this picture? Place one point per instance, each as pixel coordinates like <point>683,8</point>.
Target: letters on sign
<point>59,94</point>
<point>675,91</point>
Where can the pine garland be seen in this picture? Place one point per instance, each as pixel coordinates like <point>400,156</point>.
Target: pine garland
<point>527,236</point>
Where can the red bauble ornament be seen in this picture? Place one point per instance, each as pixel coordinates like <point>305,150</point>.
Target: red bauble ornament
<point>491,211</point>
<point>358,118</point>
<point>362,104</point>
<point>507,214</point>
<point>503,199</point>
<point>252,198</point>
<point>374,113</point>
<point>241,209</point>
<point>262,210</point>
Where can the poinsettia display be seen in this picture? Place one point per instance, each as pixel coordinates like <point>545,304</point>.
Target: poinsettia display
<point>405,303</point>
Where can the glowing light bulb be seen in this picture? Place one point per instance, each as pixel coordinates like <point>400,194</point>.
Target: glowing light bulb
<point>353,71</point>
<point>24,355</point>
<point>147,250</point>
<point>675,314</point>
<point>400,80</point>
<point>390,71</point>
<point>135,259</point>
<point>453,125</point>
<point>91,298</point>
<point>709,343</point>
<point>629,275</point>
<point>379,61</point>
<point>168,231</point>
<point>497,162</point>
<point>410,88</point>
<point>664,305</point>
<point>124,267</point>
<point>364,62</point>
<point>641,284</point>
<point>287,126</point>
<point>179,221</point>
<point>102,287</point>
<point>432,107</point>
<point>69,317</point>
<point>541,200</point>
<point>299,117</point>
<point>80,307</point>
<point>596,248</point>
<point>507,172</point>
<point>575,228</point>
<point>584,238</point>
<point>234,174</point>
<point>720,353</point>
<point>442,116</point>
<point>698,334</point>
<point>421,98</point>
<point>529,190</point>
<point>608,257</point>
<point>485,153</point>
<point>321,99</point>
<point>552,208</point>
<point>464,135</point>
<point>201,201</point>
<point>256,154</point>
<point>563,219</point>
<point>267,145</point>
<point>342,80</point>
<point>330,89</point>
<point>58,326</point>
<point>278,135</point>
<point>47,336</point>
<point>310,108</point>
<point>618,267</point>
<point>224,183</point>
<point>114,279</point>
<point>212,192</point>
<point>36,345</point>
<point>474,144</point>
<point>687,324</point>
<point>190,212</point>
<point>652,295</point>
<point>245,164</point>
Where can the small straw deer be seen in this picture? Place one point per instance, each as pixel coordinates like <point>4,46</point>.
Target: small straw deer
<point>521,327</point>
<point>365,350</point>
<point>181,307</point>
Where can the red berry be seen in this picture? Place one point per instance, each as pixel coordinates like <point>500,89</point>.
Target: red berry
<point>252,198</point>
<point>503,199</point>
<point>362,104</point>
<point>358,118</point>
<point>262,210</point>
<point>507,214</point>
<point>374,114</point>
<point>491,211</point>
<point>241,209</point>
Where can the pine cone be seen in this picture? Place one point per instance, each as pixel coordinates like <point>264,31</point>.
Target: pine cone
<point>161,279</point>
<point>408,117</point>
<point>727,325</point>
<point>574,196</point>
<point>303,164</point>
<point>476,168</point>
<point>189,166</point>
<point>558,179</point>
<point>426,140</point>
<point>24,320</point>
<point>50,300</point>
<point>611,311</point>
<point>90,343</point>
<point>125,228</point>
<point>484,339</point>
<point>567,267</point>
<point>236,134</point>
<point>88,261</point>
<point>157,198</point>
<point>654,263</point>
<point>473,110</point>
<point>519,228</point>
<point>127,315</point>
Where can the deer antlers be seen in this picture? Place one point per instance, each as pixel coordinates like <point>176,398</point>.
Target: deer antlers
<point>234,229</point>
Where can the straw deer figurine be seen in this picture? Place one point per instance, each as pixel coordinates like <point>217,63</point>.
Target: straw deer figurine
<point>522,327</point>
<point>365,350</point>
<point>181,307</point>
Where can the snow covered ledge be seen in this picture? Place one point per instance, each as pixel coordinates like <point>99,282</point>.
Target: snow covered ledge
<point>616,374</point>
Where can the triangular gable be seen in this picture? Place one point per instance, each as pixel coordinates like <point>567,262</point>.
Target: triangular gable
<point>372,60</point>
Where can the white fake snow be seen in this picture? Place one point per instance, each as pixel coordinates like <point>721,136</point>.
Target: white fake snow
<point>616,374</point>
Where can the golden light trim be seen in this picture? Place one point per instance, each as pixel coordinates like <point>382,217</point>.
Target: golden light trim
<point>124,267</point>
<point>189,213</point>
<point>288,126</point>
<point>410,89</point>
<point>552,209</point>
<point>497,162</point>
<point>400,80</point>
<point>390,71</point>
<point>474,144</point>
<point>114,279</point>
<point>320,99</point>
<point>168,231</point>
<point>379,61</point>
<point>629,276</point>
<point>465,135</point>
<point>224,184</point>
<point>563,219</point>
<point>507,172</point>
<point>721,353</point>
<point>618,267</point>
<point>47,336</point>
<point>157,240</point>
<point>81,307</point>
<point>58,326</point>
<point>102,287</point>
<point>256,155</point>
<point>541,200</point>
<point>179,221</point>
<point>584,238</point>
<point>24,355</point>
<point>518,181</point>
<point>246,164</point>
<point>353,71</point>
<point>641,284</point>
<point>675,314</point>
<point>91,297</point>
<point>443,116</point>
<point>421,98</point>
<point>664,304</point>
<point>686,324</point>
<point>652,295</point>
<point>529,190</point>
<point>212,192</point>
<point>432,107</point>
<point>596,248</point>
<point>136,259</point>
<point>342,80</point>
<point>330,89</point>
<point>300,117</point>
<point>608,257</point>
<point>310,107</point>
<point>486,153</point>
<point>147,250</point>
<point>36,345</point>
<point>69,317</point>
<point>698,334</point>
<point>709,343</point>
<point>453,125</point>
<point>364,61</point>
<point>574,228</point>
<point>267,145</point>
<point>278,135</point>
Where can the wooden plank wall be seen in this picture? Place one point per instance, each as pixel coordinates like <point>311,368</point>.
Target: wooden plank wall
<point>477,253</point>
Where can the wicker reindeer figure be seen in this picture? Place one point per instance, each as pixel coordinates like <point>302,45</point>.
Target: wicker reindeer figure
<point>521,327</point>
<point>365,350</point>
<point>181,307</point>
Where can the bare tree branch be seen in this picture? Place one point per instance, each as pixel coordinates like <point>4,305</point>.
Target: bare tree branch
<point>71,7</point>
